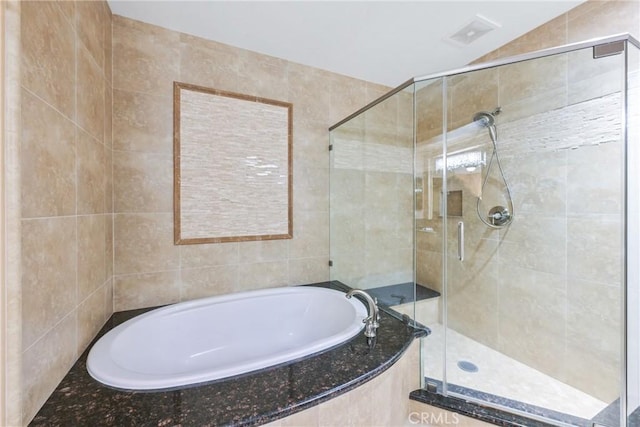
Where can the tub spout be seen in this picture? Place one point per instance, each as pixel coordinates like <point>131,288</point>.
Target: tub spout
<point>371,322</point>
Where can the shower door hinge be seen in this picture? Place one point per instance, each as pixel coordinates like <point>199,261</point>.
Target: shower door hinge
<point>330,263</point>
<point>330,147</point>
<point>609,49</point>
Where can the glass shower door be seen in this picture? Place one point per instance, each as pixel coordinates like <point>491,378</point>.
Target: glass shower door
<point>533,211</point>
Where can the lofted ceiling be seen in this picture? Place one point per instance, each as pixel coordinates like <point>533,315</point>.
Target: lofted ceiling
<point>386,42</point>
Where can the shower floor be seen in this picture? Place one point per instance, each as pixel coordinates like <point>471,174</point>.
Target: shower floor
<point>502,376</point>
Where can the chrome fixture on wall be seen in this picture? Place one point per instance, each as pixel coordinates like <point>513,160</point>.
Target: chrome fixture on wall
<point>497,216</point>
<point>371,322</point>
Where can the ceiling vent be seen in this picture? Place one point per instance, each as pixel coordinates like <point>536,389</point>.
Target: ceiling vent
<point>471,32</point>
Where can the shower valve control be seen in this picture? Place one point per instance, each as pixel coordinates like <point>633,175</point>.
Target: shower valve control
<point>499,216</point>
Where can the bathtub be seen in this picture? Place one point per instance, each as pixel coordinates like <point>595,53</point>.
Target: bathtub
<point>219,337</point>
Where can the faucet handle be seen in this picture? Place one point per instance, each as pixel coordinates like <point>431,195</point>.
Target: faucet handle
<point>372,321</point>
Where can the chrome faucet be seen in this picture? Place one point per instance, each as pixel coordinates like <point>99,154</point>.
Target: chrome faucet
<point>371,322</point>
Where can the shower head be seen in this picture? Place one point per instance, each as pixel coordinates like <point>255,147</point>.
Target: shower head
<point>484,119</point>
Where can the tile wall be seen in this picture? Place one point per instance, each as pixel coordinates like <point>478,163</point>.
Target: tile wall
<point>361,406</point>
<point>546,290</point>
<point>12,216</point>
<point>65,188</point>
<point>148,268</point>
<point>372,197</point>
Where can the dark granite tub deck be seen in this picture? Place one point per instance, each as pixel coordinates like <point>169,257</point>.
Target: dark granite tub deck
<point>246,400</point>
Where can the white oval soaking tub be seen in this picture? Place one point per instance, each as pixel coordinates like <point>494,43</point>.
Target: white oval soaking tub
<point>219,337</point>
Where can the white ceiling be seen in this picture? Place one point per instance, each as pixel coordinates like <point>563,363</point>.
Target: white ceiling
<point>385,42</point>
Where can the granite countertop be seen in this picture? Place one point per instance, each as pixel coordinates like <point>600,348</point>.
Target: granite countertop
<point>246,400</point>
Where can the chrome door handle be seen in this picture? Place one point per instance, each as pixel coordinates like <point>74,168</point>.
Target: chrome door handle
<point>461,241</point>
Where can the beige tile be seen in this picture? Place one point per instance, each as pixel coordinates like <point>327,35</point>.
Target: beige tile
<point>473,287</point>
<point>262,275</point>
<point>429,269</point>
<point>48,54</point>
<point>538,182</point>
<point>108,245</point>
<point>91,317</point>
<point>347,95</point>
<point>90,96</point>
<point>600,19</point>
<point>308,93</point>
<point>145,290</point>
<point>310,145</point>
<point>310,235</point>
<point>108,179</point>
<point>144,243</point>
<point>362,412</point>
<point>335,412</point>
<point>594,249</point>
<point>142,182</point>
<point>48,160</point>
<point>48,274</point>
<point>208,63</point>
<point>429,109</point>
<point>524,246</point>
<point>594,179</point>
<point>208,255</point>
<point>108,45</point>
<point>347,192</point>
<point>306,418</point>
<point>91,174</point>
<point>142,122</point>
<point>591,78</point>
<point>46,363</point>
<point>69,10</point>
<point>146,58</point>
<point>262,75</point>
<point>530,80</point>
<point>311,186</point>
<point>108,115</point>
<point>532,318</point>
<point>308,270</point>
<point>265,250</point>
<point>207,282</point>
<point>91,254</point>
<point>594,325</point>
<point>550,34</point>
<point>90,23</point>
<point>108,299</point>
<point>470,93</point>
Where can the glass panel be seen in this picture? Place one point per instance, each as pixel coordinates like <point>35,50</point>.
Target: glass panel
<point>371,180</point>
<point>633,230</point>
<point>429,103</point>
<point>533,173</point>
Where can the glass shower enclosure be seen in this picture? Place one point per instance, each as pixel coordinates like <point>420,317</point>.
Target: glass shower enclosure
<point>499,206</point>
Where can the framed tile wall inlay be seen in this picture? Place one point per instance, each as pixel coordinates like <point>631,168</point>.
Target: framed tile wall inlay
<point>232,166</point>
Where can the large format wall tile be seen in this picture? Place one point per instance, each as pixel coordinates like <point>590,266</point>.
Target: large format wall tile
<point>141,181</point>
<point>145,290</point>
<point>146,58</point>
<point>142,122</point>
<point>91,254</point>
<point>90,23</point>
<point>48,54</point>
<point>91,174</point>
<point>66,253</point>
<point>49,274</point>
<point>143,243</point>
<point>90,96</point>
<point>48,160</point>
<point>45,363</point>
